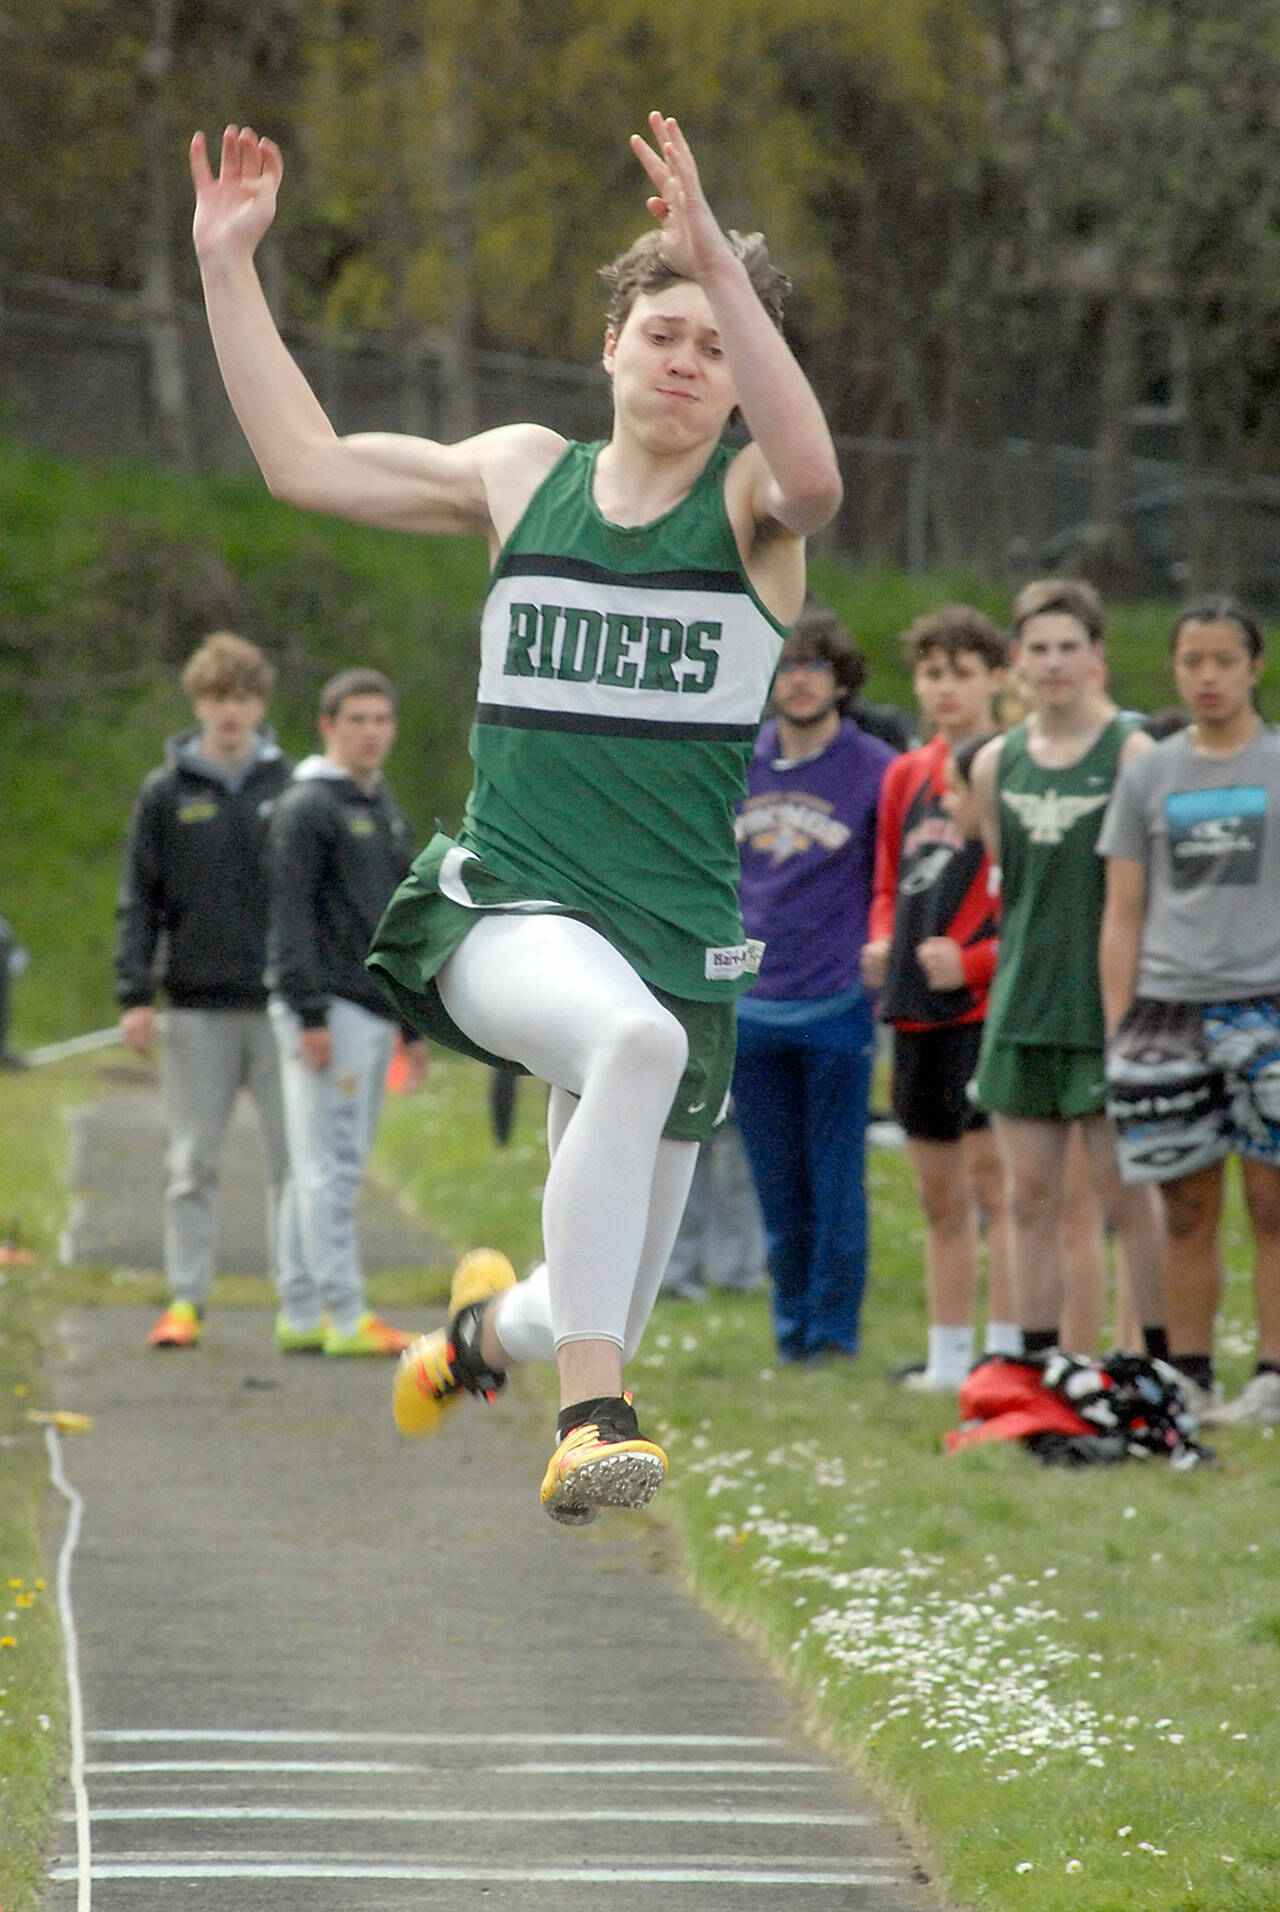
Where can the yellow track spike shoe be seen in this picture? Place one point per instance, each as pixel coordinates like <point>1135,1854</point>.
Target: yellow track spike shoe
<point>435,1370</point>
<point>602,1461</point>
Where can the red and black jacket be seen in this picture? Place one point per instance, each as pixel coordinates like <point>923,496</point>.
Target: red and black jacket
<point>930,881</point>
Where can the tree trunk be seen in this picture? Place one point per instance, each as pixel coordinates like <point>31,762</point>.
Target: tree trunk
<point>457,158</point>
<point>1112,479</point>
<point>160,317</point>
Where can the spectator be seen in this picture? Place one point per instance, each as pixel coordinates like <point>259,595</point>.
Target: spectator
<point>720,1242</point>
<point>192,920</point>
<point>11,957</point>
<point>1042,789</point>
<point>806,1036</point>
<point>1191,984</point>
<point>339,847</point>
<point>932,954</point>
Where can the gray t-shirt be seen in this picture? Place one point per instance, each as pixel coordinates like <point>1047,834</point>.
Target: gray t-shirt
<point>1207,831</point>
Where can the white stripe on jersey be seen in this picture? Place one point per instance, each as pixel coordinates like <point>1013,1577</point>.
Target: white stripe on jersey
<point>576,647</point>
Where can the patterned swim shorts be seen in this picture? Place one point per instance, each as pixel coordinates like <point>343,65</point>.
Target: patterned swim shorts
<point>1190,1083</point>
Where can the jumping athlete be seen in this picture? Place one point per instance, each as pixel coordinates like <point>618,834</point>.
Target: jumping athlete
<point>584,924</point>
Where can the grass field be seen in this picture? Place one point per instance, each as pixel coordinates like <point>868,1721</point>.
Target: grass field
<point>1065,1682</point>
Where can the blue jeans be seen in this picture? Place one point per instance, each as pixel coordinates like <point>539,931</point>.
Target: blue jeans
<point>801,1095</point>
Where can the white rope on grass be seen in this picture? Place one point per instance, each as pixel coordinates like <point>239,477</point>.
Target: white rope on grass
<point>75,1705</point>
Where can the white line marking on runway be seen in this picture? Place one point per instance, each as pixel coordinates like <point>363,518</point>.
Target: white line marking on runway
<point>249,1766</point>
<point>626,1815</point>
<point>490,1875</point>
<point>71,1651</point>
<point>677,1767</point>
<point>252,1736</point>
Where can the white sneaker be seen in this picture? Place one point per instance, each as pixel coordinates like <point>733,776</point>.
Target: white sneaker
<point>1256,1405</point>
<point>929,1381</point>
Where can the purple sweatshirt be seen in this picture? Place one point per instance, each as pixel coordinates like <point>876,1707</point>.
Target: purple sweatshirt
<point>807,836</point>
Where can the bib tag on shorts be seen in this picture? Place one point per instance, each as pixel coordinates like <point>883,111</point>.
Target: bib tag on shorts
<point>733,960</point>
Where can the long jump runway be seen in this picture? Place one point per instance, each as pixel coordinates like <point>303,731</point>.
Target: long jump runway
<point>316,1666</point>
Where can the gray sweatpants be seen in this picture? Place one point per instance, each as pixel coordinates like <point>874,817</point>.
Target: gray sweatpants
<point>210,1054</point>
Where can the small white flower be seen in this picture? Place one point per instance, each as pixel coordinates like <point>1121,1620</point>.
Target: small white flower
<point>1074,1865</point>
<point>1023,1865</point>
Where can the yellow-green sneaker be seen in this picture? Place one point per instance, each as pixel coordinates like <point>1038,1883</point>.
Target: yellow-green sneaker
<point>291,1340</point>
<point>369,1336</point>
<point>437,1368</point>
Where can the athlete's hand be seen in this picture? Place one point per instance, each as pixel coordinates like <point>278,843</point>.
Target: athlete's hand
<point>692,242</point>
<point>235,209</point>
<point>315,1046</point>
<point>874,961</point>
<point>138,1028</point>
<point>940,961</point>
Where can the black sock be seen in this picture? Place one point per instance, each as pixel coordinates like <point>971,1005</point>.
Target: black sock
<point>1155,1343</point>
<point>1039,1340</point>
<point>1196,1367</point>
<point>613,1408</point>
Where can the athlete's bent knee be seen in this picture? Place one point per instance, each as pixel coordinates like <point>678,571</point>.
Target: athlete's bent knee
<point>650,1044</point>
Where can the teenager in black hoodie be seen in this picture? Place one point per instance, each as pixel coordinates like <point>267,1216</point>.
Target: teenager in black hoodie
<point>339,847</point>
<point>192,923</point>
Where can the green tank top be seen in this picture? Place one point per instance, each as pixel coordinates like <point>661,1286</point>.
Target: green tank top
<point>623,673</point>
<point>1046,990</point>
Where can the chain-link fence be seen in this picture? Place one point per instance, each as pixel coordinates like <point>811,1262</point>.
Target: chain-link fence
<point>75,377</point>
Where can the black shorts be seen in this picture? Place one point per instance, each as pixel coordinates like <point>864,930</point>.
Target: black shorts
<point>932,1069</point>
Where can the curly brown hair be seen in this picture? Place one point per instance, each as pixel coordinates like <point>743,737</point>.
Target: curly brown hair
<point>642,268</point>
<point>956,627</point>
<point>227,666</point>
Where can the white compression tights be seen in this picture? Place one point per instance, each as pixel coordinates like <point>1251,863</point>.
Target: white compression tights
<point>552,994</point>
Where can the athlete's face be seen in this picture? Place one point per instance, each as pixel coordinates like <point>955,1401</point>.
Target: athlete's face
<point>227,723</point>
<point>670,379</point>
<point>955,693</point>
<point>1057,662</point>
<point>360,733</point>
<point>1214,672</point>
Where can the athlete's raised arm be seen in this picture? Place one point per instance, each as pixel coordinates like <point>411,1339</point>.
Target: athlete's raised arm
<point>797,479</point>
<point>404,483</point>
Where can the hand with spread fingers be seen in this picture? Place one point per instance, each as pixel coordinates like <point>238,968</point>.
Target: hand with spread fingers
<point>692,242</point>
<point>235,208</point>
